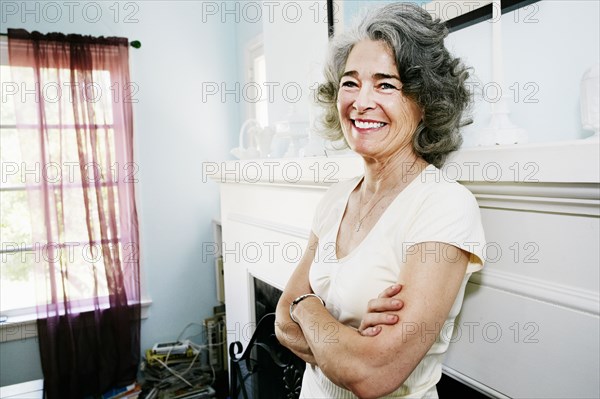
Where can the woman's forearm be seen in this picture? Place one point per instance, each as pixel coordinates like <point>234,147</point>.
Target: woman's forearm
<point>336,348</point>
<point>292,338</point>
<point>287,331</point>
<point>290,335</point>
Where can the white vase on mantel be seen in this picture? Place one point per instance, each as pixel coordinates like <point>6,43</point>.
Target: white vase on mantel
<point>501,130</point>
<point>590,101</point>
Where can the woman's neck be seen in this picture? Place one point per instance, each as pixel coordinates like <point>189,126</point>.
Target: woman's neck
<point>382,175</point>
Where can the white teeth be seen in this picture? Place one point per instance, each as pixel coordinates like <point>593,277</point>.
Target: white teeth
<point>368,125</point>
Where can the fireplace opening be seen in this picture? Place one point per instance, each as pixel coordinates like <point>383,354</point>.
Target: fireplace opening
<point>265,298</point>
<point>266,369</point>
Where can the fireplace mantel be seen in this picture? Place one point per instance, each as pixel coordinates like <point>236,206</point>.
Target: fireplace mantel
<point>529,324</point>
<point>575,161</point>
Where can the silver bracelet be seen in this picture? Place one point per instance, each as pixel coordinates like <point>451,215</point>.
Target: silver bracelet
<point>300,299</point>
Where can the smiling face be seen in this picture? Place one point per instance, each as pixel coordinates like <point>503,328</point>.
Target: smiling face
<point>377,120</point>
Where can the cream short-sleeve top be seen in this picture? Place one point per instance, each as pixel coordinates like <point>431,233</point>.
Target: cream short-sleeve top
<point>431,209</point>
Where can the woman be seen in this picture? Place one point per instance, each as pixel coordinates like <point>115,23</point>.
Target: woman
<point>390,252</point>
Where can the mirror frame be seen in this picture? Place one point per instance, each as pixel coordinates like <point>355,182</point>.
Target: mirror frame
<point>480,14</point>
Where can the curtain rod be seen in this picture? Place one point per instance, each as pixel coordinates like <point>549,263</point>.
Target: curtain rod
<point>134,43</point>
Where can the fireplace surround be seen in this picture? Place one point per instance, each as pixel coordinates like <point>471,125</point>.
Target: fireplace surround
<point>540,206</point>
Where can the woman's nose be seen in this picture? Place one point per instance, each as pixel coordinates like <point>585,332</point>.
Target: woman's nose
<point>364,99</point>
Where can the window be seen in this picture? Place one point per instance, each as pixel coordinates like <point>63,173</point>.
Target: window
<point>20,252</point>
<point>16,279</point>
<point>257,71</point>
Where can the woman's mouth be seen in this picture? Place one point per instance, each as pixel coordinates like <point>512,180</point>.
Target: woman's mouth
<point>367,125</point>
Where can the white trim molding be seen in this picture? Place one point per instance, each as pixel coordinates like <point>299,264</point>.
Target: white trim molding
<point>572,298</point>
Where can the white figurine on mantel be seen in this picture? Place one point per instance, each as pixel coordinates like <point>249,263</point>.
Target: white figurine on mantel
<point>590,100</point>
<point>315,145</point>
<point>295,131</point>
<point>500,130</point>
<point>258,139</point>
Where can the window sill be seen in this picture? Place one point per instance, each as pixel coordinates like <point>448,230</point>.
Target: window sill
<point>24,326</point>
<point>31,390</point>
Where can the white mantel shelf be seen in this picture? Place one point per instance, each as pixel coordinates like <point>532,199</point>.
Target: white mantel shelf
<point>556,162</point>
<point>540,206</point>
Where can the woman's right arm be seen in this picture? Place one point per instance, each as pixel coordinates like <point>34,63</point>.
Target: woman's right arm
<point>287,331</point>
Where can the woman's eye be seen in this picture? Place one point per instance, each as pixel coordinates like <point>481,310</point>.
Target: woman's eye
<point>388,86</point>
<point>349,83</point>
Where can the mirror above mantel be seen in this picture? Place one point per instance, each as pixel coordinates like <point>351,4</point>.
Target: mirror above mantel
<point>457,14</point>
<point>545,55</point>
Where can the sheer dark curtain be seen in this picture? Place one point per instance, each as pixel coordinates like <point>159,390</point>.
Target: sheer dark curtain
<point>76,127</point>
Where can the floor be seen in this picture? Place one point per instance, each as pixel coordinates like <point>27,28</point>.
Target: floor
<point>447,388</point>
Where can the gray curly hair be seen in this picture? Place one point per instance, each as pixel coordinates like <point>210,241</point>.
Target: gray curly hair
<point>430,76</point>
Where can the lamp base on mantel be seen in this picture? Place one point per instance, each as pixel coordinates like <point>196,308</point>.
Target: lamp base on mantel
<point>501,130</point>
<point>595,136</point>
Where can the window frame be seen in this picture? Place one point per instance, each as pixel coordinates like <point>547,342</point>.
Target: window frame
<point>253,50</point>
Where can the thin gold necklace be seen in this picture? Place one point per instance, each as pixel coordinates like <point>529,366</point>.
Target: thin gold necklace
<point>361,219</point>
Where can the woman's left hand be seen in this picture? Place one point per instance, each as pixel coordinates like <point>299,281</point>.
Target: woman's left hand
<point>377,310</point>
